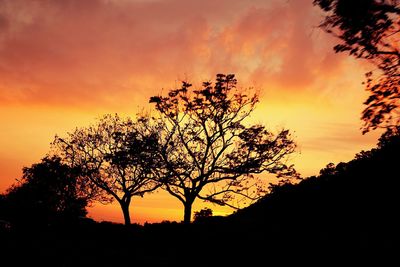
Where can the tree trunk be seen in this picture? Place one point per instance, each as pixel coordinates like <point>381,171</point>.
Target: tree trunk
<point>125,211</point>
<point>187,213</point>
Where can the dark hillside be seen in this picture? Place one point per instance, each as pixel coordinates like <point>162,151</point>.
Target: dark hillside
<point>349,212</point>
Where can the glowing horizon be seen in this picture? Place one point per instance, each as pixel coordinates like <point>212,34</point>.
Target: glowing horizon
<point>65,63</point>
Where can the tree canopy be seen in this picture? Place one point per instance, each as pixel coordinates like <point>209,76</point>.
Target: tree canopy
<point>48,192</point>
<point>116,157</point>
<point>207,149</point>
<point>369,29</point>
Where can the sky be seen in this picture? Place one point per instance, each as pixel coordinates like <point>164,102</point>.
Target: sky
<point>65,63</point>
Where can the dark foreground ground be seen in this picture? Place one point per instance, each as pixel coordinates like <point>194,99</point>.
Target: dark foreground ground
<point>220,242</point>
<point>319,222</point>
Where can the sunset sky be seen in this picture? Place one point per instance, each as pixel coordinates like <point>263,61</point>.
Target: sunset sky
<point>65,63</point>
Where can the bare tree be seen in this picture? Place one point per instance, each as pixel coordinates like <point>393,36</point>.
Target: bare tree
<point>117,158</point>
<point>207,150</point>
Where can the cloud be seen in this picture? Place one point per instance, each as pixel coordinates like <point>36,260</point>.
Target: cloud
<point>106,52</point>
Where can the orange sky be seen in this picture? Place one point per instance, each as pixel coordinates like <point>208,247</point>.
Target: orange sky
<point>65,63</point>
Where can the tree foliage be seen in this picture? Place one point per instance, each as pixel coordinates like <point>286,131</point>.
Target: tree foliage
<point>48,192</point>
<point>369,29</point>
<point>208,151</point>
<point>116,157</point>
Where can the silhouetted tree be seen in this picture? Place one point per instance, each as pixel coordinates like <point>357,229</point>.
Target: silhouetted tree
<point>117,157</point>
<point>48,192</point>
<point>328,170</point>
<point>202,214</point>
<point>369,29</point>
<point>207,147</point>
<point>391,138</point>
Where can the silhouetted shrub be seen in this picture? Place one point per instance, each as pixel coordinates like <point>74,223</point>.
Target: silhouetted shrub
<point>202,214</point>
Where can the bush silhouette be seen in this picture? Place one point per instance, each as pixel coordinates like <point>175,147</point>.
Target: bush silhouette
<point>47,193</point>
<point>202,214</point>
